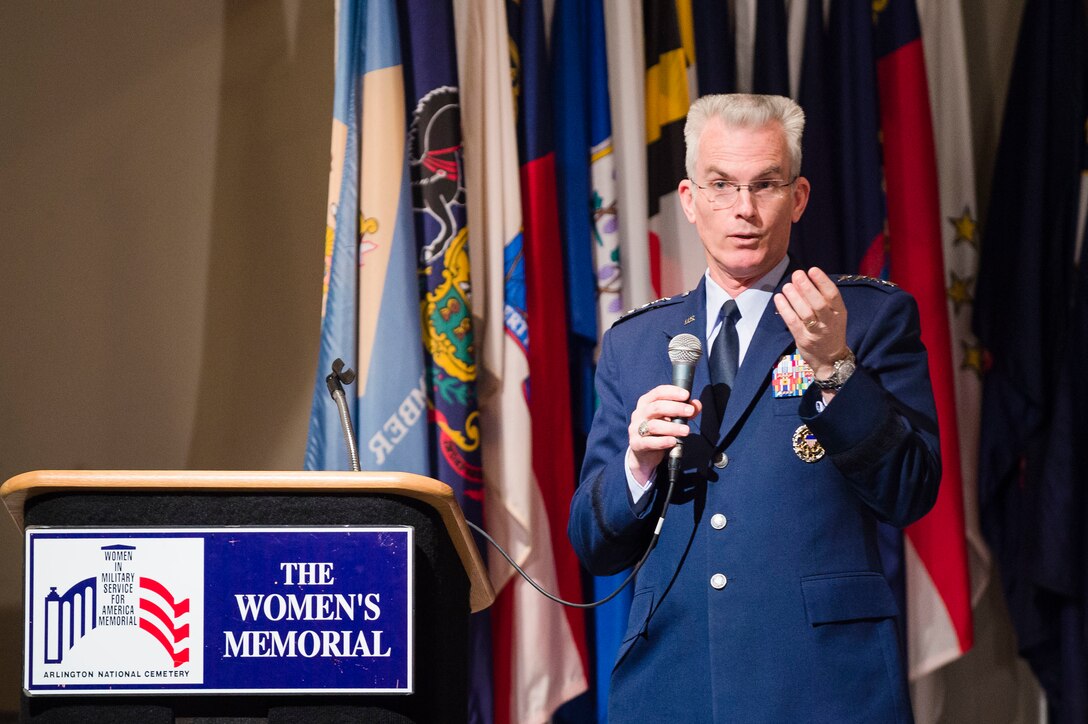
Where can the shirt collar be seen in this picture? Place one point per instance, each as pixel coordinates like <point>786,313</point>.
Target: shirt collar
<point>751,302</point>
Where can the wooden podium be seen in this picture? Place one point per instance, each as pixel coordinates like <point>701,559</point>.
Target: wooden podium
<point>450,578</point>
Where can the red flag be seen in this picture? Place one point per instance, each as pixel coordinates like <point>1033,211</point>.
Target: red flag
<point>917,264</point>
<point>540,658</point>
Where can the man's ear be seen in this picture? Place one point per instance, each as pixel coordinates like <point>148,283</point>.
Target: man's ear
<point>801,189</point>
<point>687,198</point>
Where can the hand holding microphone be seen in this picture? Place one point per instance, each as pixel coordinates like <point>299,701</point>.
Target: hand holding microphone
<point>657,425</point>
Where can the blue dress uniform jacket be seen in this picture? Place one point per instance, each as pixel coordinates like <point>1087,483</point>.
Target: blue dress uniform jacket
<point>764,600</point>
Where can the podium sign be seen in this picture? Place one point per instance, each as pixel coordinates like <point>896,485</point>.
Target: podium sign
<point>219,610</point>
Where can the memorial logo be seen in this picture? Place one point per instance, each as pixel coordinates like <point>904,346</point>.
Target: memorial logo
<point>117,613</point>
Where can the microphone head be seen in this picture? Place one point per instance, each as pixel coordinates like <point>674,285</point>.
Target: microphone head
<point>685,349</point>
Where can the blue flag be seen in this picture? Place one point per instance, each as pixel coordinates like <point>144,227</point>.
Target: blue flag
<point>586,192</point>
<point>1031,498</point>
<point>715,55</point>
<point>811,243</point>
<point>371,305</point>
<point>770,66</point>
<point>857,137</point>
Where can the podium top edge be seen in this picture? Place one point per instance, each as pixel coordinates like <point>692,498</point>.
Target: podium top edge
<point>438,495</point>
<point>212,479</point>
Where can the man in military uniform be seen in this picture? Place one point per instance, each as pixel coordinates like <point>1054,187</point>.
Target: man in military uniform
<point>764,599</point>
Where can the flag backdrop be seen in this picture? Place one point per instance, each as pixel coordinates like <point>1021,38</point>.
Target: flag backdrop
<point>371,306</point>
<point>586,176</point>
<point>1031,493</point>
<point>435,152</point>
<point>946,71</point>
<point>770,66</point>
<point>533,624</point>
<point>857,138</point>
<point>715,56</point>
<point>939,623</point>
<point>808,242</point>
<point>676,256</point>
<point>624,44</point>
<point>396,300</point>
<point>490,274</point>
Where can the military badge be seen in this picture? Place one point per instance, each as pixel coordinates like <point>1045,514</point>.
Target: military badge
<point>791,376</point>
<point>807,447</point>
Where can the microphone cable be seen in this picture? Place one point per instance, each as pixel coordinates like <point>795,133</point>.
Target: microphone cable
<point>609,597</point>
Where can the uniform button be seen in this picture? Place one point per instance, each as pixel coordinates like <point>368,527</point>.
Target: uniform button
<point>721,460</point>
<point>718,581</point>
<point>718,521</point>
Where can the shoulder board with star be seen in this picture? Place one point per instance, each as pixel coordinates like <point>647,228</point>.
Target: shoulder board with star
<point>862,280</point>
<point>656,304</point>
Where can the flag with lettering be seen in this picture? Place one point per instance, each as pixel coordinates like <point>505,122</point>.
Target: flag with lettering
<point>370,310</point>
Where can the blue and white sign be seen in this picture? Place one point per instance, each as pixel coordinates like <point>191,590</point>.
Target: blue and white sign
<point>219,610</point>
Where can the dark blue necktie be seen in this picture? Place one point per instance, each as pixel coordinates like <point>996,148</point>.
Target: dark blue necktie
<point>726,350</point>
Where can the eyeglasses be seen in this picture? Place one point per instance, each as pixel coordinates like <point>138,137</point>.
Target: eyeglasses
<point>723,194</point>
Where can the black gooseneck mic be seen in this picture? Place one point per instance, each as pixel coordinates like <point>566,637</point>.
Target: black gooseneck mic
<point>335,381</point>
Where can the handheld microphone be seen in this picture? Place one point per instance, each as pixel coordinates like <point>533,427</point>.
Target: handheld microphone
<point>684,351</point>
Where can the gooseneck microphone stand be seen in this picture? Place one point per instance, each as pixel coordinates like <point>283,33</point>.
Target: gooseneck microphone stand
<point>335,381</point>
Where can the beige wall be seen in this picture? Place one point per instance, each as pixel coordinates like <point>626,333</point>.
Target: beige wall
<point>163,177</point>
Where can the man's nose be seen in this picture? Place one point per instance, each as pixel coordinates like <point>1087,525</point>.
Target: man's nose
<point>745,205</point>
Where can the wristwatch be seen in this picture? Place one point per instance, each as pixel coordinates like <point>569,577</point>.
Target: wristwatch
<point>843,369</point>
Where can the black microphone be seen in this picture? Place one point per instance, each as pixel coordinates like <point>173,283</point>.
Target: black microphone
<point>684,351</point>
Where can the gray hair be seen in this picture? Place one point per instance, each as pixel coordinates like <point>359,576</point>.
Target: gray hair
<point>745,110</point>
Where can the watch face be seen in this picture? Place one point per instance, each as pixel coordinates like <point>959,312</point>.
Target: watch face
<point>843,369</point>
